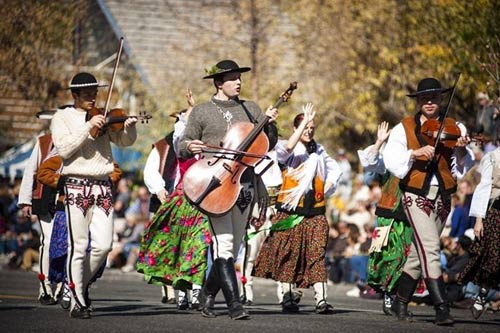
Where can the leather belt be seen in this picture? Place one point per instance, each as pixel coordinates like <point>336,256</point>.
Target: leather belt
<point>86,181</point>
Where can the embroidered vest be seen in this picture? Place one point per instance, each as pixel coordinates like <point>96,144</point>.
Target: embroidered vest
<point>389,205</point>
<point>310,204</point>
<point>418,178</point>
<point>167,167</point>
<point>43,196</point>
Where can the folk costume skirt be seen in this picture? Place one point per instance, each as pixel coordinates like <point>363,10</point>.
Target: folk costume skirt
<point>175,244</point>
<point>483,267</point>
<point>296,255</point>
<point>385,267</point>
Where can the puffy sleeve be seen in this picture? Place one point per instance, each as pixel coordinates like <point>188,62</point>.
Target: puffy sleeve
<point>26,190</point>
<point>481,196</point>
<point>371,161</point>
<point>396,155</point>
<point>333,172</point>
<point>152,177</point>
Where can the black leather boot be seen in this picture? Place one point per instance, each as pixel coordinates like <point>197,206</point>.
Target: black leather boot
<point>229,286</point>
<point>437,291</point>
<point>406,288</point>
<point>210,289</point>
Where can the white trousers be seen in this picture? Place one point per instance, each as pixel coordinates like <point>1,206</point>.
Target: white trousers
<point>228,230</point>
<point>46,228</point>
<point>253,248</point>
<point>89,211</point>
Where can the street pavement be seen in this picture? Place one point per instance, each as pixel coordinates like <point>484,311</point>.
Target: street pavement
<point>125,303</point>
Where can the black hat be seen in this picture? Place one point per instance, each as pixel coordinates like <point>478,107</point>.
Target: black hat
<point>84,80</point>
<point>223,67</point>
<point>428,85</point>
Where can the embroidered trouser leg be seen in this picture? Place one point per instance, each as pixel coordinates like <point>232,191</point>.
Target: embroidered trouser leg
<point>46,233</point>
<point>89,219</point>
<point>252,249</point>
<point>228,230</point>
<point>427,219</point>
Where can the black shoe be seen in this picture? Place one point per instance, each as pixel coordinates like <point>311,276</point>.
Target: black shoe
<point>46,299</point>
<point>400,310</point>
<point>208,310</point>
<point>437,292</point>
<point>477,310</point>
<point>238,312</point>
<point>386,304</point>
<point>183,303</point>
<point>80,313</point>
<point>323,308</point>
<point>289,306</point>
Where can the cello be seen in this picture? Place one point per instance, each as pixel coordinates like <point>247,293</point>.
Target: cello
<point>213,184</point>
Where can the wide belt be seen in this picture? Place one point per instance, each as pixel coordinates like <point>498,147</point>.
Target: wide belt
<point>86,181</point>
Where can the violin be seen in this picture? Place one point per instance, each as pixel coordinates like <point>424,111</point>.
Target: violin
<point>213,184</point>
<point>450,133</point>
<point>115,119</point>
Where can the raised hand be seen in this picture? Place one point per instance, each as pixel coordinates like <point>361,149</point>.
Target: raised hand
<point>308,112</point>
<point>189,97</point>
<point>383,132</point>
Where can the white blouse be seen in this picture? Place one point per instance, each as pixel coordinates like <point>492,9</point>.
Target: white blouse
<point>481,196</point>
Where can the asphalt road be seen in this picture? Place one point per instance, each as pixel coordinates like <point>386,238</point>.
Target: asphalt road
<point>125,303</point>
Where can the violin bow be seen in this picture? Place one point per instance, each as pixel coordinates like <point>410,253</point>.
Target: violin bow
<point>440,131</point>
<point>115,69</point>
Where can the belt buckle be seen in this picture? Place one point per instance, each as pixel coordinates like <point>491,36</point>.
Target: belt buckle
<point>433,192</point>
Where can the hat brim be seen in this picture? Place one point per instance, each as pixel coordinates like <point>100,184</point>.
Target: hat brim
<point>429,91</point>
<point>239,70</point>
<point>81,86</point>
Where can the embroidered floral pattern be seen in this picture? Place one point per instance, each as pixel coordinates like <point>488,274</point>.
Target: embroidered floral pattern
<point>407,201</point>
<point>443,209</point>
<point>84,202</point>
<point>244,199</point>
<point>70,199</point>
<point>426,205</point>
<point>105,202</point>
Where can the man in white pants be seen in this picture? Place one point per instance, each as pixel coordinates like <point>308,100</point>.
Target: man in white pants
<point>36,200</point>
<point>87,164</point>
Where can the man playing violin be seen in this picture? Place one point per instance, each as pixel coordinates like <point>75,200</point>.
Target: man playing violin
<point>207,125</point>
<point>87,164</point>
<point>428,174</point>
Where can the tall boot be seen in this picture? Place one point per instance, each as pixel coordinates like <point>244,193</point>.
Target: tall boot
<point>406,288</point>
<point>210,289</point>
<point>229,286</point>
<point>437,291</point>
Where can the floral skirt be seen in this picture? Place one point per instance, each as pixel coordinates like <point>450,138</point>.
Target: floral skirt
<point>385,267</point>
<point>58,250</point>
<point>483,267</point>
<point>295,255</point>
<point>174,245</point>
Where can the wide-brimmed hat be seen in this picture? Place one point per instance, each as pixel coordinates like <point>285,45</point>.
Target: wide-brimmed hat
<point>428,86</point>
<point>84,80</point>
<point>224,67</point>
